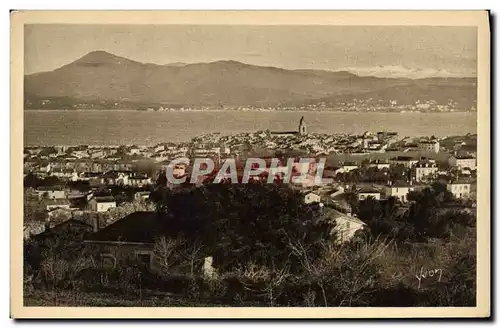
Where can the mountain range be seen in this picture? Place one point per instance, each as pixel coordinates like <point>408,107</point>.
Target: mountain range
<point>103,77</point>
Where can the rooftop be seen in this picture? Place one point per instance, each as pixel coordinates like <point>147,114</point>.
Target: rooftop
<point>464,157</point>
<point>139,227</point>
<point>403,158</point>
<point>57,202</point>
<point>399,183</point>
<point>332,214</point>
<point>104,199</point>
<point>367,190</point>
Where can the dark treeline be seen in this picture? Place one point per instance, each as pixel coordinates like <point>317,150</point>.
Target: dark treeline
<point>239,224</point>
<point>432,213</point>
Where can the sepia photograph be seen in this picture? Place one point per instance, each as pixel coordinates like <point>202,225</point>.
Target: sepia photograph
<point>255,164</point>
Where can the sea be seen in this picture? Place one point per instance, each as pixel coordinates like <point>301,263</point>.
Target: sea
<point>125,127</point>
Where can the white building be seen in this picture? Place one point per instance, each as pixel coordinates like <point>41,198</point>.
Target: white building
<point>102,203</point>
<point>311,198</point>
<point>379,164</point>
<point>159,148</point>
<point>139,181</point>
<point>53,204</point>
<point>345,225</point>
<point>425,170</point>
<point>348,167</point>
<point>142,195</point>
<point>399,190</point>
<point>428,145</point>
<point>462,162</point>
<point>51,192</point>
<point>459,189</point>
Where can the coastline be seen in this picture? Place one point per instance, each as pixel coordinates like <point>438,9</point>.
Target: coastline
<point>100,127</point>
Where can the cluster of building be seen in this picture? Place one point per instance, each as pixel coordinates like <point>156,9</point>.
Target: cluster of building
<point>316,143</point>
<point>380,105</point>
<point>354,105</point>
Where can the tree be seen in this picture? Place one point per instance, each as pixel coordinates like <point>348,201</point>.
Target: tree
<point>165,251</point>
<point>241,223</point>
<point>398,172</point>
<point>192,255</point>
<point>369,209</point>
<point>46,151</point>
<point>263,281</point>
<point>34,210</point>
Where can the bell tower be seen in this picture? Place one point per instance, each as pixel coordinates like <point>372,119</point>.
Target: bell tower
<point>302,126</point>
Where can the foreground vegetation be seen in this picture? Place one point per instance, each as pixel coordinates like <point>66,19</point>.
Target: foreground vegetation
<point>270,249</point>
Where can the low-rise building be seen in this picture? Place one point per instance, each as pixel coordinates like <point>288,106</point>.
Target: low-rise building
<point>61,172</point>
<point>425,170</point>
<point>399,189</point>
<point>345,225</point>
<point>139,181</point>
<point>459,189</point>
<point>52,192</point>
<point>367,192</point>
<point>379,164</point>
<point>462,162</point>
<point>311,198</point>
<point>101,203</point>
<point>348,167</point>
<point>407,161</point>
<point>428,145</point>
<point>142,195</point>
<point>133,238</point>
<point>53,204</point>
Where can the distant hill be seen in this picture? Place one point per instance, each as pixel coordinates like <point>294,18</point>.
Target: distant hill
<point>101,77</point>
<point>461,92</point>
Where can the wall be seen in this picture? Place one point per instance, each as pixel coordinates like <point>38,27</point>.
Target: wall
<point>459,190</point>
<point>422,172</point>
<point>312,198</point>
<point>375,195</point>
<point>346,229</point>
<point>103,207</point>
<point>399,192</point>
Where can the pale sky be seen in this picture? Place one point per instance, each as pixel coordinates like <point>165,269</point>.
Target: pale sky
<point>379,51</point>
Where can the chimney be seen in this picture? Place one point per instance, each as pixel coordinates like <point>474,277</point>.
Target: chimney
<point>95,223</point>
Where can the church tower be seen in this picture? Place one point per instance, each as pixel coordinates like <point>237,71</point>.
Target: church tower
<point>302,127</point>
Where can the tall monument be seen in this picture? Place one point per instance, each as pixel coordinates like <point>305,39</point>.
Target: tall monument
<point>302,126</point>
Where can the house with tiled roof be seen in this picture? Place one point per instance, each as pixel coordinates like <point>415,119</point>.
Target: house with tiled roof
<point>425,169</point>
<point>399,189</point>
<point>101,203</point>
<point>366,192</point>
<point>53,204</point>
<point>132,240</point>
<point>407,161</point>
<point>460,188</point>
<point>344,225</point>
<point>129,239</point>
<point>462,162</point>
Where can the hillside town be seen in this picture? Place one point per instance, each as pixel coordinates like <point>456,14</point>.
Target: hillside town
<point>354,105</point>
<point>63,183</point>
